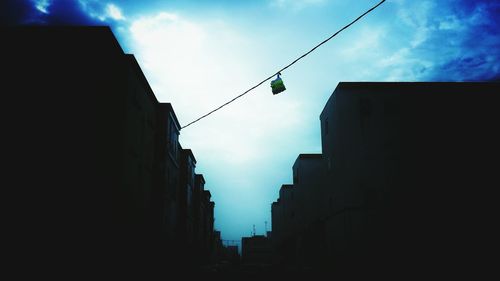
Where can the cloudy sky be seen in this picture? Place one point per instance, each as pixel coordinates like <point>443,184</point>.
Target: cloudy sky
<point>200,54</point>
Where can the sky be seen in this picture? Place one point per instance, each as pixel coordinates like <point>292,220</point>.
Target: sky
<point>199,54</point>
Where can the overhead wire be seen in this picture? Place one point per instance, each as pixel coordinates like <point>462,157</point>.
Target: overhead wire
<point>287,66</point>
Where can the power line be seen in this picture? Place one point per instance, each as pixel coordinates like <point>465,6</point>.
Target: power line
<point>290,64</point>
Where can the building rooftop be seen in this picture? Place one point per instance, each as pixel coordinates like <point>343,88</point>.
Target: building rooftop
<point>189,153</point>
<point>137,69</point>
<point>200,178</point>
<point>310,155</point>
<point>430,89</point>
<point>207,193</point>
<point>168,107</point>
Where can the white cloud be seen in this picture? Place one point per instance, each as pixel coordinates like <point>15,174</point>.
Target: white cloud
<point>197,66</point>
<point>93,8</point>
<point>102,11</point>
<point>365,41</point>
<point>416,16</point>
<point>451,22</point>
<point>114,12</point>
<point>42,5</point>
<point>395,58</point>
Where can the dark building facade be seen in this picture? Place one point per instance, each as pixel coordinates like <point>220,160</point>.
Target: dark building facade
<point>402,183</point>
<point>185,198</point>
<point>256,250</point>
<point>118,188</point>
<point>168,166</point>
<point>208,221</point>
<point>231,255</point>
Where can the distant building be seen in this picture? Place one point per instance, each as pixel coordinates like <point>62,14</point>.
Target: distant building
<point>218,247</point>
<point>276,220</point>
<point>185,199</point>
<point>256,250</point>
<point>298,215</point>
<point>231,255</point>
<point>198,208</point>
<point>208,226</point>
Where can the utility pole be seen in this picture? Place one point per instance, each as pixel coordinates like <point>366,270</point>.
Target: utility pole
<point>254,230</point>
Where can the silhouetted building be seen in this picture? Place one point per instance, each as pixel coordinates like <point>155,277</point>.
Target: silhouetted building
<point>256,250</point>
<point>202,220</point>
<point>208,226</point>
<point>308,178</point>
<point>95,155</point>
<point>185,200</point>
<point>298,215</point>
<point>140,174</point>
<point>406,173</point>
<point>308,182</point>
<point>276,220</point>
<point>284,225</point>
<point>218,247</point>
<point>168,165</point>
<point>231,255</point>
<point>409,162</point>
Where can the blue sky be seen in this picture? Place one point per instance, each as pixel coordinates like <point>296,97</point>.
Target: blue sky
<point>199,54</point>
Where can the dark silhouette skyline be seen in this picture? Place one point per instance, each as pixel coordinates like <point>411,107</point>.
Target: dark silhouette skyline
<point>406,176</point>
<point>96,158</point>
<point>199,54</point>
<point>404,183</point>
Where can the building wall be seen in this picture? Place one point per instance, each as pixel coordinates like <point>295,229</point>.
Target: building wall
<point>288,209</point>
<point>210,231</point>
<point>406,155</point>
<point>168,165</point>
<point>308,180</point>
<point>276,221</point>
<point>256,250</point>
<point>207,225</point>
<point>111,188</point>
<point>404,163</point>
<point>185,197</point>
<point>198,213</point>
<point>140,145</point>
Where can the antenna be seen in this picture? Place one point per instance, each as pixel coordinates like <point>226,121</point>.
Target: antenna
<point>254,230</point>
